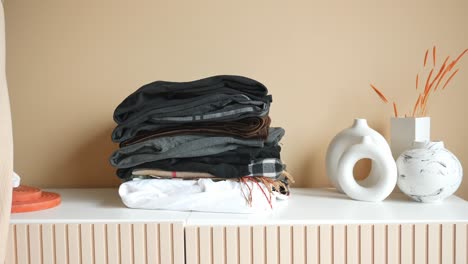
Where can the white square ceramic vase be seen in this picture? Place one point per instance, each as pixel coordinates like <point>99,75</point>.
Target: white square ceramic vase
<point>406,130</point>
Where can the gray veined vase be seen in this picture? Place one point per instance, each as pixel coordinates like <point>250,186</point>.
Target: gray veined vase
<point>428,172</point>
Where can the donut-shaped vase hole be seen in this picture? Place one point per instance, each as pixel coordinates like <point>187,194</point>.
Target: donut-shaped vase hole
<point>362,169</point>
<point>382,177</point>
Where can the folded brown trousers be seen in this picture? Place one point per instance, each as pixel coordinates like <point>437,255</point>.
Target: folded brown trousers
<point>251,127</point>
<point>163,174</point>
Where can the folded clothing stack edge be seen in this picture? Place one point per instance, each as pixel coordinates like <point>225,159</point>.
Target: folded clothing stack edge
<point>184,144</point>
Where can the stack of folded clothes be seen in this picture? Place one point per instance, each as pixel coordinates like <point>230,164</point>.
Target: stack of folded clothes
<point>204,145</point>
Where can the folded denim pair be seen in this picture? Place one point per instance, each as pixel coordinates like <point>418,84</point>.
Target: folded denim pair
<point>249,128</point>
<point>186,146</point>
<point>230,164</point>
<point>215,99</point>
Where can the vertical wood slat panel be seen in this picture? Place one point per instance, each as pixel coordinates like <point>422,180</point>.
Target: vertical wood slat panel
<point>258,244</point>
<point>126,244</point>
<point>406,245</point>
<point>178,244</point>
<point>366,244</point>
<point>87,244</point>
<point>461,245</point>
<point>285,244</point>
<point>352,244</point>
<point>420,243</point>
<point>232,249</point>
<point>380,243</point>
<point>74,244</point>
<point>48,243</point>
<point>100,243</point>
<point>433,248</point>
<point>325,244</point>
<point>22,236</point>
<point>61,243</point>
<point>11,249</point>
<point>192,245</point>
<point>271,242</point>
<point>313,243</point>
<point>339,244</point>
<point>22,243</point>
<point>447,243</point>
<point>165,249</point>
<point>299,244</point>
<point>113,243</point>
<point>139,243</point>
<point>393,244</point>
<point>35,244</point>
<point>204,247</point>
<point>218,245</point>
<point>245,244</point>
<point>152,243</point>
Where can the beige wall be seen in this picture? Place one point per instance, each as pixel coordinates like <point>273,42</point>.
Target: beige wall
<point>71,62</point>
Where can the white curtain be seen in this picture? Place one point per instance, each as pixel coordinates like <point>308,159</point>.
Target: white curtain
<point>6,145</point>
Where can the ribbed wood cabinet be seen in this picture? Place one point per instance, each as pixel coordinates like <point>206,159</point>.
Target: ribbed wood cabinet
<point>259,244</point>
<point>340,243</point>
<point>96,243</point>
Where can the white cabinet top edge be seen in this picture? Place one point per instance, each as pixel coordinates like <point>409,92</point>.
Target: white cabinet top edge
<point>305,206</point>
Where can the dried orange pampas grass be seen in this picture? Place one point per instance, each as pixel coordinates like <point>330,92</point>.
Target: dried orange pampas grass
<point>435,77</point>
<point>380,94</point>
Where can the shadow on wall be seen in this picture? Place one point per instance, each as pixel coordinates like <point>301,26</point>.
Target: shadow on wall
<point>88,163</point>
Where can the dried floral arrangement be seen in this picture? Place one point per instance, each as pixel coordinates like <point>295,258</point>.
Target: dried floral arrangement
<point>431,84</point>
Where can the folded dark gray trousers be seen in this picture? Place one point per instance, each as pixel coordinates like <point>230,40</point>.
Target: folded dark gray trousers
<point>185,146</point>
<point>251,127</point>
<point>229,164</point>
<point>163,94</point>
<point>216,107</point>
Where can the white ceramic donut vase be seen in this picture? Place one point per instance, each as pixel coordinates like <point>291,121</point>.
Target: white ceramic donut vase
<point>356,143</point>
<point>429,172</point>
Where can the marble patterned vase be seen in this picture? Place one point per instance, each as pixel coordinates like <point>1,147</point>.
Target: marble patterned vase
<point>428,172</point>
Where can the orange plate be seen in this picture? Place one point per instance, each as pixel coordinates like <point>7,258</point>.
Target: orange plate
<point>26,193</point>
<point>46,201</point>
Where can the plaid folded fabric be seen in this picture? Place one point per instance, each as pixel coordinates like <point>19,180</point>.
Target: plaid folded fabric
<point>271,168</point>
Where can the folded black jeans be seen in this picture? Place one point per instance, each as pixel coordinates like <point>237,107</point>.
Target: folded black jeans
<point>161,104</point>
<point>229,164</point>
<point>163,94</point>
<point>186,146</point>
<point>251,127</point>
<point>213,108</point>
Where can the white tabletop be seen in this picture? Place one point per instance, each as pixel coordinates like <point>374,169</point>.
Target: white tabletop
<point>327,206</point>
<point>95,206</point>
<point>305,206</point>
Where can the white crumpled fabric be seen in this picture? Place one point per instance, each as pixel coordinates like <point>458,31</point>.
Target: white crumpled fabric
<point>203,195</point>
<point>16,180</point>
